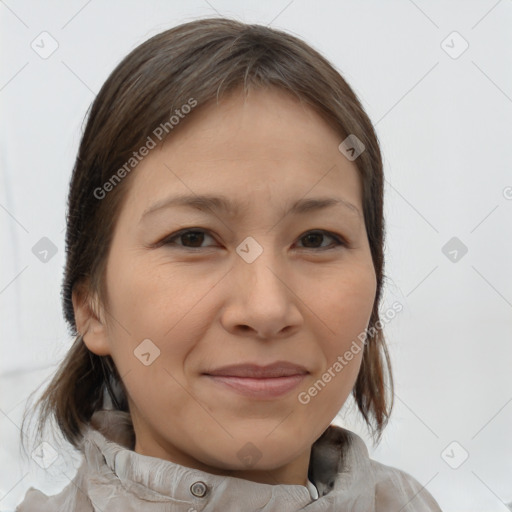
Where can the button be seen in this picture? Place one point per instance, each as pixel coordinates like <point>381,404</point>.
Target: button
<point>199,489</point>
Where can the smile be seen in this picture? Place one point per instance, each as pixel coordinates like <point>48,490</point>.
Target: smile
<point>263,388</point>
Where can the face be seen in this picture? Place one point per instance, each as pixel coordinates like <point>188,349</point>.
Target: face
<point>194,288</point>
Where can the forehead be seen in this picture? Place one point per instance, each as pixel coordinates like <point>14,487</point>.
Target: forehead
<point>265,123</point>
<point>266,145</point>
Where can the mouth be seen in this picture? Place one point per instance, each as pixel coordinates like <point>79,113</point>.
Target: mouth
<point>263,382</point>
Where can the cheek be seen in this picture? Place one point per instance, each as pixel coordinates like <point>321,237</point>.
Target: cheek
<point>345,306</point>
<point>151,297</point>
<point>153,334</point>
<point>157,302</point>
<point>347,311</point>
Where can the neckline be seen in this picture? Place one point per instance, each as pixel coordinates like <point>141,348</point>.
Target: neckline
<point>313,491</point>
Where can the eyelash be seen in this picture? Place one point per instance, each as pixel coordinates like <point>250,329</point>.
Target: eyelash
<point>168,241</point>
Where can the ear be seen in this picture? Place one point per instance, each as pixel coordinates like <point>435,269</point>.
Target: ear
<point>90,322</point>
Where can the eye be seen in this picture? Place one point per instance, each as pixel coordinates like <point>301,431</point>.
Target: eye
<point>315,236</point>
<point>193,238</point>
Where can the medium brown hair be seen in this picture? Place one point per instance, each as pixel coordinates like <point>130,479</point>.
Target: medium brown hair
<point>203,60</point>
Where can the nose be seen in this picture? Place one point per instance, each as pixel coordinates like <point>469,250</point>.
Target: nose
<point>264,299</point>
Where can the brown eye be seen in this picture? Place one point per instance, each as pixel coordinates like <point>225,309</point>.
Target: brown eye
<point>194,238</point>
<point>313,238</point>
<point>190,238</point>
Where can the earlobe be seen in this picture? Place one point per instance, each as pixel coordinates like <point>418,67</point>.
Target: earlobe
<point>90,324</point>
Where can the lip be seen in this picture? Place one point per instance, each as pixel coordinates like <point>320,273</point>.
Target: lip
<point>255,371</point>
<point>265,388</point>
<point>255,381</point>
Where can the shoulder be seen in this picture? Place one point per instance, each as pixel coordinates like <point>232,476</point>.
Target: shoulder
<point>340,463</point>
<point>72,497</point>
<point>75,495</point>
<point>68,499</point>
<point>35,500</point>
<point>393,484</point>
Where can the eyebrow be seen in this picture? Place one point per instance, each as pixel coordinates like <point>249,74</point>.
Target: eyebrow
<point>228,207</point>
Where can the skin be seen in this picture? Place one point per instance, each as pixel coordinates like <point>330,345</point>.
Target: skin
<point>205,307</point>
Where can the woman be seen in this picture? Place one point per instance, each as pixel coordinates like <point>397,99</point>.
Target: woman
<point>223,279</point>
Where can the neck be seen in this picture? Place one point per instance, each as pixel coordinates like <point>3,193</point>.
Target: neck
<point>293,473</point>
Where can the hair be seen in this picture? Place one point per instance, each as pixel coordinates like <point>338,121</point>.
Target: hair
<point>202,59</point>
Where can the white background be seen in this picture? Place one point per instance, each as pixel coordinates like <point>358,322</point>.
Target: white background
<point>445,128</point>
